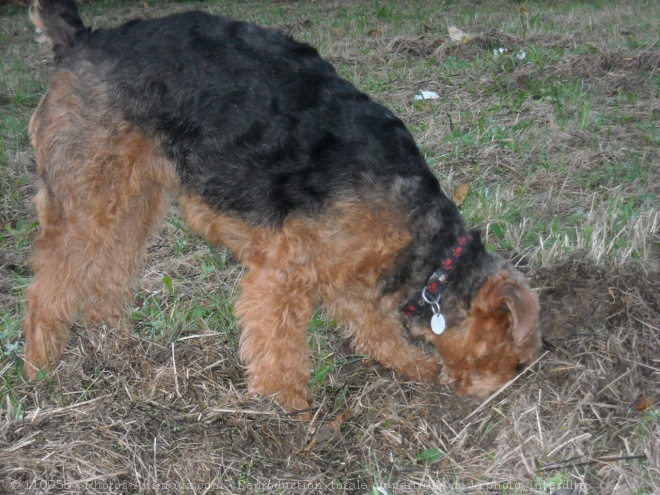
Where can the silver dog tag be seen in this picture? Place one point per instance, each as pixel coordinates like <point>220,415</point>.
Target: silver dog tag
<point>438,324</point>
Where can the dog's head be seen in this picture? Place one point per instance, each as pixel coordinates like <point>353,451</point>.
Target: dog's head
<point>485,343</point>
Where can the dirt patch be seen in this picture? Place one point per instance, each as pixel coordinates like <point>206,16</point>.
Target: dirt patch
<point>612,72</point>
<point>598,65</point>
<point>576,294</point>
<point>414,46</point>
<point>590,314</point>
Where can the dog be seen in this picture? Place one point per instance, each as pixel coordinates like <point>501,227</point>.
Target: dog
<point>321,194</point>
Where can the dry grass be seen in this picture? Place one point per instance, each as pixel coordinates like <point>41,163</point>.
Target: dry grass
<point>561,155</point>
<point>140,414</point>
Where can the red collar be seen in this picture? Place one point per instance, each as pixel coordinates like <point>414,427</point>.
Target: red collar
<point>430,294</point>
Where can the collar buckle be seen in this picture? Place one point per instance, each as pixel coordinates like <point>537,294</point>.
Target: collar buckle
<point>434,301</point>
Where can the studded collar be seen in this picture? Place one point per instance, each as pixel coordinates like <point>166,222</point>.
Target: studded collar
<point>431,294</point>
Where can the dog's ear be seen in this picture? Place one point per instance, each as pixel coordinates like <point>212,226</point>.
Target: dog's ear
<point>521,305</point>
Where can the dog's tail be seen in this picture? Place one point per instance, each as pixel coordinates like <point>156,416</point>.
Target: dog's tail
<point>59,20</point>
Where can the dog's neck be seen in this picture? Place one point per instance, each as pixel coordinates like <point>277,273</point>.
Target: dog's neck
<point>431,293</point>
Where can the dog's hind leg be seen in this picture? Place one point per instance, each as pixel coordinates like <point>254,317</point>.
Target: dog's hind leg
<point>85,260</point>
<point>99,196</point>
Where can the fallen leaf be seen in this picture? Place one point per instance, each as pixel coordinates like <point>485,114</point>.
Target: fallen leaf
<point>461,193</point>
<point>641,404</point>
<point>458,35</point>
<point>339,420</point>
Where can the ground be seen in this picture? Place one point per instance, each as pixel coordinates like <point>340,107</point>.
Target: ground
<point>556,139</point>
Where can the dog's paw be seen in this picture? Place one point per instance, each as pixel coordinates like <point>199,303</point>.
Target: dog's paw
<point>296,406</point>
<point>429,371</point>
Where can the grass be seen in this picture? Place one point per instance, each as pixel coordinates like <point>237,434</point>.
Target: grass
<point>559,149</point>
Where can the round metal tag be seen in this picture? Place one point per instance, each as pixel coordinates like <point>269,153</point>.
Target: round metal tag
<point>438,324</point>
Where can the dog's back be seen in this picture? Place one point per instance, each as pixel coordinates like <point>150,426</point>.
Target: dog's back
<point>257,124</point>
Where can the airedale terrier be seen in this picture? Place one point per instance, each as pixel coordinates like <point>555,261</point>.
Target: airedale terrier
<point>321,193</point>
